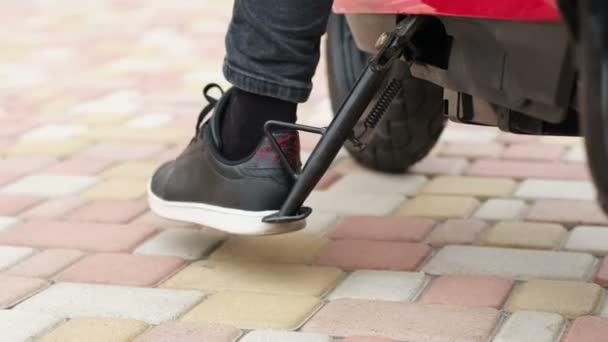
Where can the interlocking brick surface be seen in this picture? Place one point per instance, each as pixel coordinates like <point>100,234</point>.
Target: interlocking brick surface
<point>391,228</point>
<point>46,263</point>
<point>440,206</point>
<point>588,239</point>
<point>366,339</point>
<point>354,204</point>
<point>14,289</point>
<point>524,235</point>
<point>11,205</point>
<point>440,166</point>
<point>109,211</point>
<point>511,263</point>
<point>568,298</point>
<point>53,208</point>
<point>49,185</point>
<point>540,188</point>
<point>56,148</point>
<point>86,236</point>
<point>601,277</point>
<point>472,186</point>
<point>117,189</point>
<point>270,335</point>
<point>79,166</point>
<point>286,248</point>
<point>459,232</point>
<point>520,169</point>
<point>530,326</point>
<point>472,150</point>
<point>501,209</point>
<point>379,255</point>
<point>95,330</point>
<point>212,276</point>
<point>121,152</point>
<point>410,322</point>
<point>6,222</point>
<point>135,169</point>
<point>544,152</point>
<point>190,332</point>
<point>567,211</point>
<point>77,300</point>
<point>467,291</point>
<point>121,269</point>
<point>11,255</point>
<point>250,310</point>
<point>380,285</point>
<point>373,183</point>
<point>185,243</point>
<point>587,329</point>
<point>24,326</point>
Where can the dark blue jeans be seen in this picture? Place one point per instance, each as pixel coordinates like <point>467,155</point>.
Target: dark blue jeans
<point>272,46</point>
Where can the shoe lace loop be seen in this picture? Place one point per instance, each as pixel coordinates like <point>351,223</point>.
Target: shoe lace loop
<point>211,102</point>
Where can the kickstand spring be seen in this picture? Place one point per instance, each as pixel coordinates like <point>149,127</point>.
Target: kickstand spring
<point>395,46</point>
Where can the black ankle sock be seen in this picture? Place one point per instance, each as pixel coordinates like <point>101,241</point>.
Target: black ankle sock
<point>243,122</point>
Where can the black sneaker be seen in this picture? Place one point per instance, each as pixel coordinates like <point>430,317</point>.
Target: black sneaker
<point>202,187</point>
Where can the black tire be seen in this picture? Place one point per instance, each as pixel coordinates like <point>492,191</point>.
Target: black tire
<point>412,124</point>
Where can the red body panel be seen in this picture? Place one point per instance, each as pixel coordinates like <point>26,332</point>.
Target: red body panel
<point>534,10</point>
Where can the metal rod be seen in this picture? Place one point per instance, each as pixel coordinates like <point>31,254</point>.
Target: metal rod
<point>336,134</point>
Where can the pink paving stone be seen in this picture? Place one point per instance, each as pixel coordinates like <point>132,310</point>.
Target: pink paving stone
<point>468,291</point>
<point>541,152</point>
<point>121,269</point>
<point>347,165</point>
<point>528,169</point>
<point>11,205</point>
<point>471,150</point>
<point>190,332</point>
<point>366,339</point>
<point>109,211</point>
<point>308,141</point>
<point>404,321</point>
<point>456,232</point>
<point>54,208</point>
<point>516,138</point>
<point>587,329</point>
<point>22,165</point>
<point>329,178</point>
<point>14,289</point>
<point>46,263</point>
<point>388,228</point>
<point>121,152</point>
<point>601,277</point>
<point>6,178</point>
<point>80,166</point>
<point>440,166</point>
<point>377,255</point>
<point>567,211</point>
<point>95,237</point>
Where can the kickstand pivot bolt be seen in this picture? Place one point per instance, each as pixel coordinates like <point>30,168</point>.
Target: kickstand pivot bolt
<point>381,40</point>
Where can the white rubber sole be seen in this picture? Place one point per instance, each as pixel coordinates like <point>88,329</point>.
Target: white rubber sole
<point>233,221</point>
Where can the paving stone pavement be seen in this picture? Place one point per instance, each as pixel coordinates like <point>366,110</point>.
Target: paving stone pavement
<point>493,236</point>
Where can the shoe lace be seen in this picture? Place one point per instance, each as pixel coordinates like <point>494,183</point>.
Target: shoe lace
<point>211,102</point>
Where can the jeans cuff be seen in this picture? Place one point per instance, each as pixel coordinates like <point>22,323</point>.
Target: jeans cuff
<point>257,85</point>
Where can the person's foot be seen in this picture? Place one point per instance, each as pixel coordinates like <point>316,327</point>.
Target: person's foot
<point>201,186</point>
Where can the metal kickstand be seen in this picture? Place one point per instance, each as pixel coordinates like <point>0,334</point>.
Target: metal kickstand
<point>364,94</point>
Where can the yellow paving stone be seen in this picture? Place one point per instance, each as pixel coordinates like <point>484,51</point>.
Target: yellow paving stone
<point>524,235</point>
<point>117,188</point>
<point>286,248</point>
<point>211,276</point>
<point>568,298</point>
<point>132,169</point>
<point>95,330</point>
<point>148,135</point>
<point>106,119</point>
<point>472,186</point>
<point>440,206</point>
<point>53,148</point>
<point>248,310</point>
